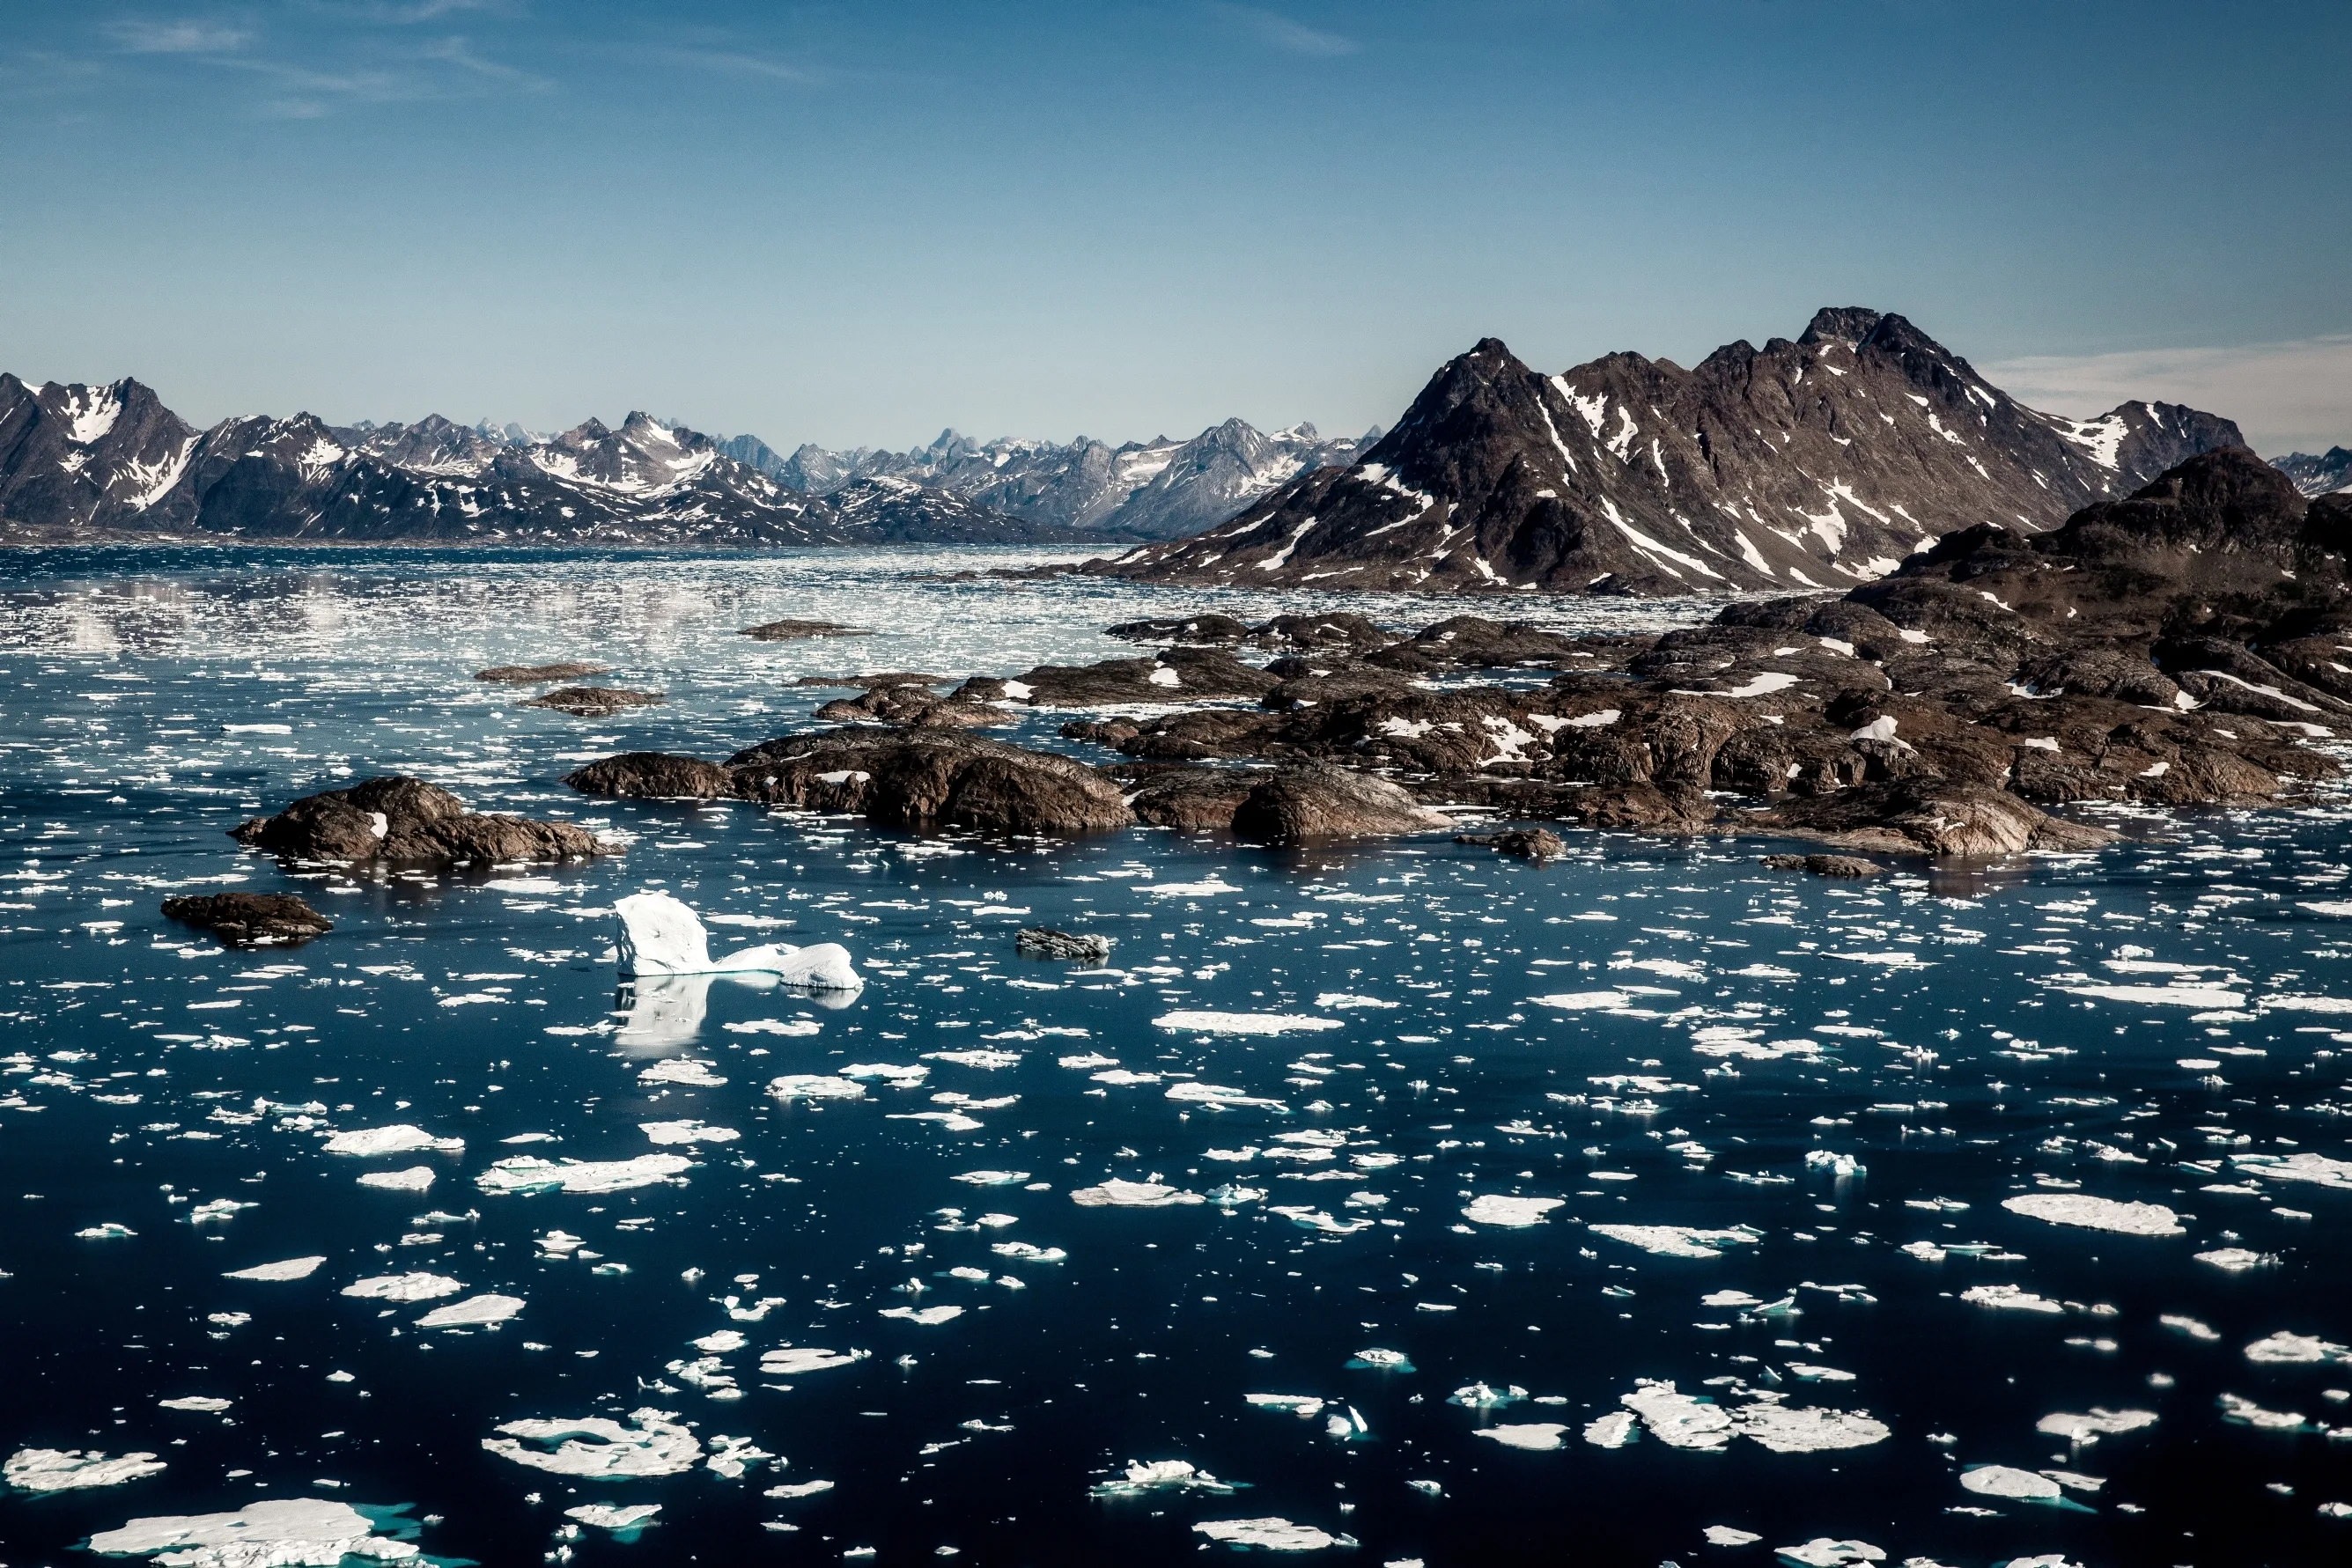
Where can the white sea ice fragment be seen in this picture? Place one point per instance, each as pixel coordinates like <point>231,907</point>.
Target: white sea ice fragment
<point>2246,1411</point>
<point>291,1268</point>
<point>1338,999</point>
<point>898,1075</point>
<point>1677,1241</point>
<point>1218,1095</point>
<point>2009,1298</point>
<point>1788,1430</point>
<point>605,1516</point>
<point>416,1287</point>
<point>791,1361</point>
<point>110,1231</point>
<point>1122,1078</point>
<point>201,1404</point>
<point>71,1469</point>
<point>1725,1535</point>
<point>369,1142</point>
<point>1729,1298</point>
<point>798,1488</point>
<point>1583,1001</point>
<point>660,935</point>
<point>1088,1061</point>
<point>1539,1436</point>
<point>1615,1431</point>
<point>2004,1480</point>
<point>2205,998</point>
<point>796,1028</point>
<point>1820,1551</point>
<point>666,1133</point>
<point>281,1530</point>
<point>529,1174</point>
<point>1495,1208</point>
<point>1243,1023</point>
<point>794,1086</point>
<point>1678,1420</point>
<point>415,1178</point>
<point>1215,885</point>
<point>473,1311</point>
<point>681,1069</point>
<point>929,1317</point>
<point>220,1209</point>
<point>730,1456</point>
<point>991,1179</point>
<point>1271,1534</point>
<point>2096,1213</point>
<point>2190,1326</point>
<point>2085,1431</point>
<point>1028,1252</point>
<point>1304,1406</point>
<point>2318,1169</point>
<point>1161,1475</point>
<point>1116,1193</point>
<point>2236,1259</point>
<point>2284,1348</point>
<point>600,1447</point>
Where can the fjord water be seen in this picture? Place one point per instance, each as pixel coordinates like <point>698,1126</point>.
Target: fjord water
<point>1815,1076</point>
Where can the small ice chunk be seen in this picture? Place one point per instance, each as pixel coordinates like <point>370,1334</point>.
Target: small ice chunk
<point>1725,1535</point>
<point>1615,1431</point>
<point>605,1516</point>
<point>1494,1209</point>
<point>2004,1480</point>
<point>418,1287</point>
<point>200,1404</point>
<point>1820,1551</point>
<point>415,1178</point>
<point>991,1179</point>
<point>368,1141</point>
<point>1116,1193</point>
<point>681,1069</point>
<point>291,1268</point>
<point>687,1133</point>
<point>1270,1534</point>
<point>2236,1259</point>
<point>792,1361</point>
<point>2096,1213</point>
<point>471,1312</point>
<point>2085,1431</point>
<point>2009,1298</point>
<point>1158,1476</point>
<point>2284,1348</point>
<point>1539,1436</point>
<point>1199,1022</point>
<point>929,1317</point>
<point>791,1086</point>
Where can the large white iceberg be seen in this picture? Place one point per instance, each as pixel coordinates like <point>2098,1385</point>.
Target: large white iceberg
<point>289,1530</point>
<point>660,935</point>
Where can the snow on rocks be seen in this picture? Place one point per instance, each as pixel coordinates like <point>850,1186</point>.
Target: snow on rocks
<point>1495,1208</point>
<point>291,1268</point>
<point>2096,1213</point>
<point>599,1448</point>
<point>528,1174</point>
<point>660,935</point>
<point>1116,1193</point>
<point>72,1469</point>
<point>282,1530</point>
<point>415,1287</point>
<point>1678,1240</point>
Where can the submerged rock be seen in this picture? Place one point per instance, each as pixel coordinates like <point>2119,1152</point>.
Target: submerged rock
<point>406,820</point>
<point>1044,942</point>
<point>1823,866</point>
<point>790,631</point>
<point>527,674</point>
<point>1534,844</point>
<point>595,702</point>
<point>244,919</point>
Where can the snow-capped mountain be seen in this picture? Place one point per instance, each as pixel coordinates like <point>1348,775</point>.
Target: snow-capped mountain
<point>2322,476</point>
<point>1144,489</point>
<point>1813,464</point>
<point>113,462</point>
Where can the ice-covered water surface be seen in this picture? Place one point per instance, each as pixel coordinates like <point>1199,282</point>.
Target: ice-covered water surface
<point>1827,1220</point>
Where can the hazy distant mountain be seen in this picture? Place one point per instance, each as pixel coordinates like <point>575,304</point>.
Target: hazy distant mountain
<point>2320,476</point>
<point>1144,489</point>
<point>1813,464</point>
<point>79,462</point>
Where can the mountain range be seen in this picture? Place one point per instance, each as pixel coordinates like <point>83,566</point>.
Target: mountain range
<point>2323,475</point>
<point>112,462</point>
<point>1158,490</point>
<point>1817,462</point>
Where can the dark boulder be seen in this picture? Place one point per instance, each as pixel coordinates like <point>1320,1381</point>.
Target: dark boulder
<point>249,919</point>
<point>1045,942</point>
<point>1192,799</point>
<point>1215,630</point>
<point>1536,844</point>
<point>408,820</point>
<point>1304,805</point>
<point>1928,817</point>
<point>1177,675</point>
<point>790,631</point>
<point>931,778</point>
<point>1824,865</point>
<point>595,701</point>
<point>653,776</point>
<point>525,675</point>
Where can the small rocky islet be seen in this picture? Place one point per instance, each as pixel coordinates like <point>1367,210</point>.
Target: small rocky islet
<point>2175,648</point>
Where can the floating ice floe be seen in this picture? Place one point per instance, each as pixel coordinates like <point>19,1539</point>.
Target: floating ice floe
<point>2318,1169</point>
<point>1495,1208</point>
<point>2284,1348</point>
<point>2236,1259</point>
<point>1820,1551</point>
<point>1215,885</point>
<point>660,935</point>
<point>71,1469</point>
<point>1243,1023</point>
<point>2006,1482</point>
<point>1306,1406</point>
<point>415,1178</point>
<point>730,1456</point>
<point>790,1028</point>
<point>1725,1535</point>
<point>2085,1431</point>
<point>793,1086</point>
<point>2208,998</point>
<point>991,1179</point>
<point>1583,1001</point>
<point>1692,1421</point>
<point>606,1516</point>
<point>110,1231</point>
<point>2195,1329</point>
<point>1159,1476</point>
<point>599,1447</point>
<point>1116,1193</point>
<point>1678,1240</point>
<point>898,1075</point>
<point>1271,1534</point>
<point>529,1174</point>
<point>2245,1412</point>
<point>474,1311</point>
<point>291,1268</point>
<point>2096,1213</point>
<point>286,1530</point>
<point>369,1142</point>
<point>1219,1096</point>
<point>196,1404</point>
<point>929,1317</point>
<point>1617,1429</point>
<point>2009,1298</point>
<point>1379,1359</point>
<point>681,1069</point>
<point>667,1133</point>
<point>792,1361</point>
<point>416,1287</point>
<point>1483,1397</point>
<point>1342,1000</point>
<point>992,1061</point>
<point>1541,1436</point>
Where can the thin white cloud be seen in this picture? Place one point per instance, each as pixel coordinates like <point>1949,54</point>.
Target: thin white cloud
<point>2288,397</point>
<point>736,62</point>
<point>189,36</point>
<point>1292,37</point>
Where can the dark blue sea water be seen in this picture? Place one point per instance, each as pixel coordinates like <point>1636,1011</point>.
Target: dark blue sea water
<point>1835,1091</point>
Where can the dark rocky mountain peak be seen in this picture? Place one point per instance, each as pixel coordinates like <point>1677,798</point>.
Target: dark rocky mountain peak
<point>2321,475</point>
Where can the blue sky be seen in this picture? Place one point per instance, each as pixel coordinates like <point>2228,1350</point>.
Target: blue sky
<point>856,223</point>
